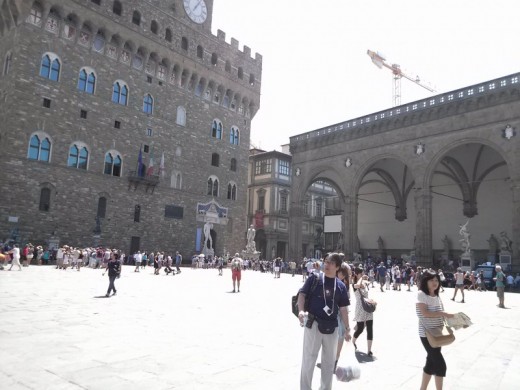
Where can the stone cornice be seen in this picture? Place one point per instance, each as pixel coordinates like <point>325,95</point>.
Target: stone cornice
<point>476,97</point>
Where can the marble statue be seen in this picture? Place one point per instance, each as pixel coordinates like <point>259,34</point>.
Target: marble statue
<point>445,245</point>
<point>207,235</point>
<point>251,245</point>
<point>464,241</point>
<point>505,242</point>
<point>493,244</point>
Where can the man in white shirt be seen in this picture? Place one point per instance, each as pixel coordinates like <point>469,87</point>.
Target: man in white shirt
<point>16,257</point>
<point>138,258</point>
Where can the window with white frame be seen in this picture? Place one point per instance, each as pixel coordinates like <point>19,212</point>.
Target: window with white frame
<point>113,163</point>
<point>212,186</point>
<point>50,66</point>
<point>120,93</point>
<point>39,147</point>
<point>216,129</point>
<point>262,166</point>
<point>87,80</point>
<point>283,167</point>
<point>78,156</point>
<point>181,116</point>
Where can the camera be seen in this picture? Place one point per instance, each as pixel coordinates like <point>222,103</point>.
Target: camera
<point>327,310</point>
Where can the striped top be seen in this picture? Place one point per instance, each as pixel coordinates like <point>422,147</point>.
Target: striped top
<point>433,304</point>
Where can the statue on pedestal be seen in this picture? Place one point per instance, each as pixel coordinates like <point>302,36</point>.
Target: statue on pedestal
<point>445,246</point>
<point>505,243</point>
<point>464,241</point>
<point>493,245</point>
<point>207,235</point>
<point>251,245</point>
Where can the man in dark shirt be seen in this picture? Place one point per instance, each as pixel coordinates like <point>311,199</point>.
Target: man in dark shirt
<point>381,275</point>
<point>327,298</point>
<point>114,271</point>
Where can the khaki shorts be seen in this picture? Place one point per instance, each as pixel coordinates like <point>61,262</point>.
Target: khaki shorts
<point>500,292</point>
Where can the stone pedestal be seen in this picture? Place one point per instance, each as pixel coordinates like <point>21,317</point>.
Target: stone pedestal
<point>467,263</point>
<point>208,252</point>
<point>251,255</point>
<point>505,260</point>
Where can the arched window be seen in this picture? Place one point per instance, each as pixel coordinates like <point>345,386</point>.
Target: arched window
<point>215,159</point>
<point>232,191</point>
<point>136,18</point>
<point>120,93</point>
<point>200,51</point>
<point>117,8</point>
<point>45,199</point>
<point>154,27</point>
<point>113,164</point>
<point>39,148</point>
<point>168,35</point>
<point>233,165</point>
<point>78,157</point>
<point>184,43</point>
<point>216,129</point>
<point>251,79</point>
<point>240,73</point>
<point>148,104</point>
<point>87,80</point>
<point>181,116</point>
<point>176,180</point>
<point>214,59</point>
<point>50,67</point>
<point>234,135</point>
<point>212,186</point>
<point>102,207</point>
<point>7,63</point>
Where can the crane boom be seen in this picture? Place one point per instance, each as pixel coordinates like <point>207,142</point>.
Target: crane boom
<point>380,61</point>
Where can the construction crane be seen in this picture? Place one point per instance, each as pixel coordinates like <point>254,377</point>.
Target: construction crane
<point>379,60</point>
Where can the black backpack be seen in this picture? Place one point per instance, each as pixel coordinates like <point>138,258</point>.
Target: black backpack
<point>294,298</point>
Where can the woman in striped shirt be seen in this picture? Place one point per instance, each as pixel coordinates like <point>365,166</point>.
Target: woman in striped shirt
<point>430,311</point>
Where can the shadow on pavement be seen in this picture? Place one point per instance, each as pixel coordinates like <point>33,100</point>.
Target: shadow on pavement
<point>101,296</point>
<point>362,357</point>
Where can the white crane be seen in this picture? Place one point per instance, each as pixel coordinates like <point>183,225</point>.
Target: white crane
<point>379,60</point>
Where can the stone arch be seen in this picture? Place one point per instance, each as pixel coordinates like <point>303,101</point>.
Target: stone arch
<point>321,172</point>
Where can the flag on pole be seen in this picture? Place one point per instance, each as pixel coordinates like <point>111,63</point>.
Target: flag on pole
<point>150,165</point>
<point>161,167</point>
<point>140,163</point>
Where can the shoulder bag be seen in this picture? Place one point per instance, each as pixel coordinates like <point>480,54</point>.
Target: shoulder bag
<point>441,335</point>
<point>294,298</point>
<point>369,305</point>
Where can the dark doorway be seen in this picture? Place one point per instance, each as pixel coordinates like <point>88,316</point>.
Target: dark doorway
<point>261,243</point>
<point>214,238</point>
<point>135,243</point>
<point>280,249</point>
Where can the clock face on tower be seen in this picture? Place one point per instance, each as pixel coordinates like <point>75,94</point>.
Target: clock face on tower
<point>196,10</point>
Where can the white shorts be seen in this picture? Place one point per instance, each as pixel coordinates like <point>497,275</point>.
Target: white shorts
<point>276,269</point>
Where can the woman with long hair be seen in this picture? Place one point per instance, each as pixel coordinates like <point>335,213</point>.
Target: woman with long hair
<point>430,312</point>
<point>362,317</point>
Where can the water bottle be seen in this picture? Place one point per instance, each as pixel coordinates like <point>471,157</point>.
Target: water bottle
<point>347,374</point>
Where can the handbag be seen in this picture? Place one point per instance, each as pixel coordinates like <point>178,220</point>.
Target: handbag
<point>327,326</point>
<point>369,305</point>
<point>440,336</point>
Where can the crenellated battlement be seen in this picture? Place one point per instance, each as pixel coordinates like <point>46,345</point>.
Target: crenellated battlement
<point>234,43</point>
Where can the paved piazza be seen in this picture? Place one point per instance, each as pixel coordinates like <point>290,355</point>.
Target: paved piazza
<point>190,332</point>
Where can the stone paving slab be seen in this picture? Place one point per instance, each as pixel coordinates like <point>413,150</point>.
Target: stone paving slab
<point>188,331</point>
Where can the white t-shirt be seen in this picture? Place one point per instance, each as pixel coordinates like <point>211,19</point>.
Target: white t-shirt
<point>16,253</point>
<point>432,304</point>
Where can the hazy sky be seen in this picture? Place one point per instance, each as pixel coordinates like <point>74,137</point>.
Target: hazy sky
<point>316,71</point>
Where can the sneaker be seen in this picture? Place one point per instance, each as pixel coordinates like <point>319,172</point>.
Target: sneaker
<point>233,290</point>
<point>107,295</point>
<point>370,353</point>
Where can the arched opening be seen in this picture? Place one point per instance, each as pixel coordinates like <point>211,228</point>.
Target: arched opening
<point>386,212</point>
<point>470,183</point>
